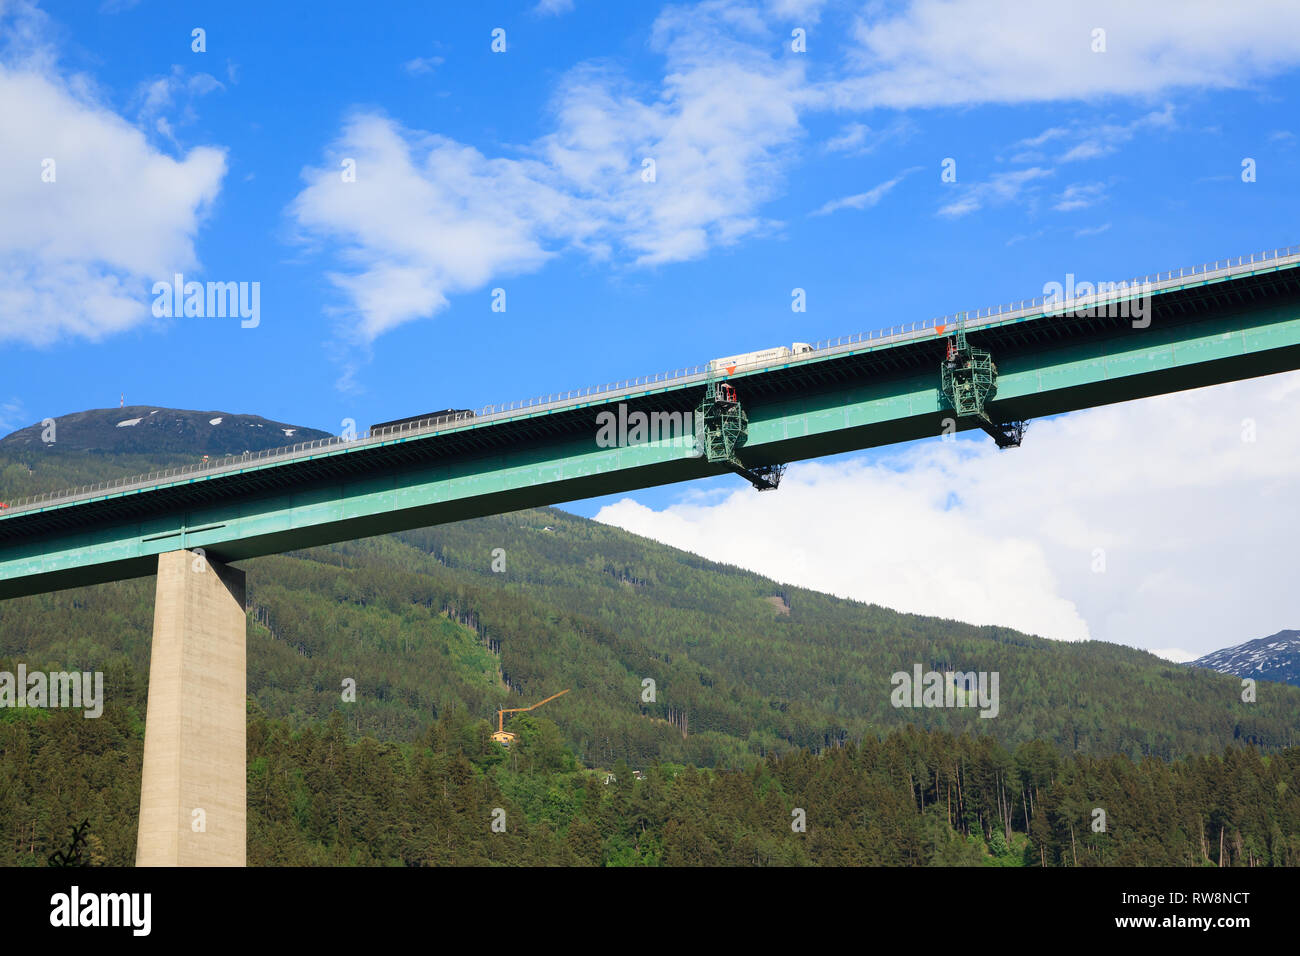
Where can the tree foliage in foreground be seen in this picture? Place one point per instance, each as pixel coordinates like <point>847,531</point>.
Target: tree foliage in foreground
<point>913,798</point>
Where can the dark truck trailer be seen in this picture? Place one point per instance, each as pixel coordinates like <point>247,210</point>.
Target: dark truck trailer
<point>449,413</point>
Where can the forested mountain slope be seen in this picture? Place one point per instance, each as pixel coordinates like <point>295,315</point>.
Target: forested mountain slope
<point>741,666</point>
<point>916,798</point>
<point>771,705</point>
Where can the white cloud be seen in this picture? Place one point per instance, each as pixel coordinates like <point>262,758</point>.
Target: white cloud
<point>1175,654</point>
<point>720,134</point>
<point>1025,237</point>
<point>158,99</point>
<point>852,138</point>
<point>553,8</point>
<point>858,139</point>
<point>724,125</point>
<point>1096,140</point>
<point>429,217</point>
<point>999,189</point>
<point>1080,196</point>
<point>426,218</point>
<point>423,64</point>
<point>1089,149</point>
<point>796,11</point>
<point>873,534</point>
<point>952,52</point>
<point>24,36</point>
<point>1196,525</point>
<point>1046,136</point>
<point>77,255</point>
<point>12,416</point>
<point>1091,230</point>
<point>864,200</point>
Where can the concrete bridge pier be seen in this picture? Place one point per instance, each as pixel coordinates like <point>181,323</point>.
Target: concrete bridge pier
<point>193,809</point>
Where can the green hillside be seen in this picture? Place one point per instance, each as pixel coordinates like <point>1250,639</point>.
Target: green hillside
<point>316,797</point>
<point>742,666</point>
<point>768,699</point>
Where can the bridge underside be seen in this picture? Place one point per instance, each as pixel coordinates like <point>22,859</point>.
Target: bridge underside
<point>866,398</point>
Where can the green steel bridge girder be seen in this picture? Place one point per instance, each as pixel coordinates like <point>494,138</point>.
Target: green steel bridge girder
<point>1127,365</point>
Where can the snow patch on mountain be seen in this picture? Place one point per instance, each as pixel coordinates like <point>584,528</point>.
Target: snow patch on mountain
<point>1274,658</point>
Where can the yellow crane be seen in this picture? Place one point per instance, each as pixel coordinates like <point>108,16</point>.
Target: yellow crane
<point>504,737</point>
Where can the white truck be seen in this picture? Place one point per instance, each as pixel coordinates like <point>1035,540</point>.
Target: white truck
<point>733,363</point>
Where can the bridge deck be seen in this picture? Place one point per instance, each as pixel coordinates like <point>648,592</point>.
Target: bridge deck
<point>1206,326</point>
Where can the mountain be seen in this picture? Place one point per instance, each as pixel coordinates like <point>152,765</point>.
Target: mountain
<point>1275,658</point>
<point>687,668</point>
<point>668,656</point>
<point>149,429</point>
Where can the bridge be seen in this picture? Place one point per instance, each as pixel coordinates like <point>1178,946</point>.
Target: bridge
<point>992,369</point>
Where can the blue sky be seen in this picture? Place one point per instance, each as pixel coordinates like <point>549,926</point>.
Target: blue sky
<point>522,170</point>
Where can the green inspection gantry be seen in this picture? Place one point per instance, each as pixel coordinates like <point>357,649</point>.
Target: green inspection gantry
<point>968,380</point>
<point>721,428</point>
